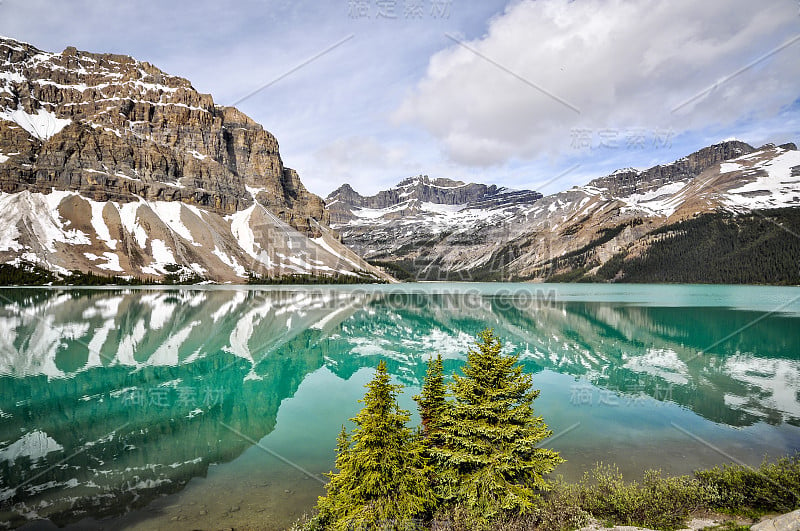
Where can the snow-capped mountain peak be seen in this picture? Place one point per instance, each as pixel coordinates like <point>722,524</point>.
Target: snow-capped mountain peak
<point>112,166</point>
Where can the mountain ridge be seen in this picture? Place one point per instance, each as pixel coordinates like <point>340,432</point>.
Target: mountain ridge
<point>423,189</point>
<point>541,239</point>
<point>627,180</point>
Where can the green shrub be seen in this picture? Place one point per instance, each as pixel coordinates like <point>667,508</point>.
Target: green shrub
<point>658,502</point>
<point>560,510</point>
<point>728,526</point>
<point>557,510</point>
<point>770,487</point>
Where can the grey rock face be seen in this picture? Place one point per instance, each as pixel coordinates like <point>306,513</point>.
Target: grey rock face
<point>626,182</point>
<point>109,165</point>
<point>133,130</point>
<point>785,522</point>
<point>411,192</point>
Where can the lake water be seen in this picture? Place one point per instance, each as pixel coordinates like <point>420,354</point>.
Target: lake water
<point>219,406</point>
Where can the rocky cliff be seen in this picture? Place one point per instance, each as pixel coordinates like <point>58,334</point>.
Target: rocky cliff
<point>623,183</point>
<point>419,194</point>
<point>96,148</point>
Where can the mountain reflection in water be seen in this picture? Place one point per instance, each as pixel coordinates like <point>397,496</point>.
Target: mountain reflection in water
<point>113,397</point>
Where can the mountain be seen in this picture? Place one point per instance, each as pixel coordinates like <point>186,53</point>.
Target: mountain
<point>417,211</point>
<point>418,196</point>
<point>630,181</point>
<point>630,225</point>
<point>109,165</point>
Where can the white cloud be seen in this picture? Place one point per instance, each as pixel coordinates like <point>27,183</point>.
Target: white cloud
<point>623,64</point>
<point>342,153</point>
<point>362,161</point>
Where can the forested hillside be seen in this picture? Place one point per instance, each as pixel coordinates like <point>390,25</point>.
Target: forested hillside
<point>762,247</point>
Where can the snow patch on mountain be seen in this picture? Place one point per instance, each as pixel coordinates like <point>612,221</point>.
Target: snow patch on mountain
<point>662,201</point>
<point>230,262</point>
<point>779,188</point>
<point>99,224</point>
<point>42,125</point>
<point>240,226</point>
<point>730,167</point>
<point>128,215</point>
<point>171,212</point>
<point>327,246</point>
<point>441,209</point>
<point>112,263</point>
<point>162,256</point>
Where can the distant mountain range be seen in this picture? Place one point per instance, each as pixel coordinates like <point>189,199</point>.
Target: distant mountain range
<point>109,165</point>
<point>726,213</point>
<point>419,196</point>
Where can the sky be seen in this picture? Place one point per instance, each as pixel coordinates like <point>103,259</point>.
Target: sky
<point>543,94</point>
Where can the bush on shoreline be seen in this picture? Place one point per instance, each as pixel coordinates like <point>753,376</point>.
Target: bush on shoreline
<point>772,487</point>
<point>657,502</point>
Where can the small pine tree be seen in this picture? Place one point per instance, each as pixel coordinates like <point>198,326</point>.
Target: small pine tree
<point>383,476</point>
<point>490,458</point>
<point>432,403</point>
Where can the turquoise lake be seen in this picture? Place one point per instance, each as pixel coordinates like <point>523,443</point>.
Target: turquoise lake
<point>212,407</point>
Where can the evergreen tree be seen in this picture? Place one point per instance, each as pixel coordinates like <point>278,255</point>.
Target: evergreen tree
<point>432,403</point>
<point>490,460</point>
<point>383,476</point>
